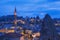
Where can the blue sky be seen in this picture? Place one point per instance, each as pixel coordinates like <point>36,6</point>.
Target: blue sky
<point>30,7</point>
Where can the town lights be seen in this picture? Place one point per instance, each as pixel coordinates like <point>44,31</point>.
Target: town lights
<point>36,34</point>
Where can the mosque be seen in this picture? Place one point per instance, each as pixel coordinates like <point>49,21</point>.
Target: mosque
<point>46,28</point>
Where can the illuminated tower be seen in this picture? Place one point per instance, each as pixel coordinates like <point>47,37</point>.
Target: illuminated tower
<point>15,18</point>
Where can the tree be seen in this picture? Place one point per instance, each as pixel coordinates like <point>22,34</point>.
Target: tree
<point>48,28</point>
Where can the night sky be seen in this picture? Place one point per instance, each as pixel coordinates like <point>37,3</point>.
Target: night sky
<point>30,8</point>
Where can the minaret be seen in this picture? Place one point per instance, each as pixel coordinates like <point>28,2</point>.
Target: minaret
<point>15,18</point>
